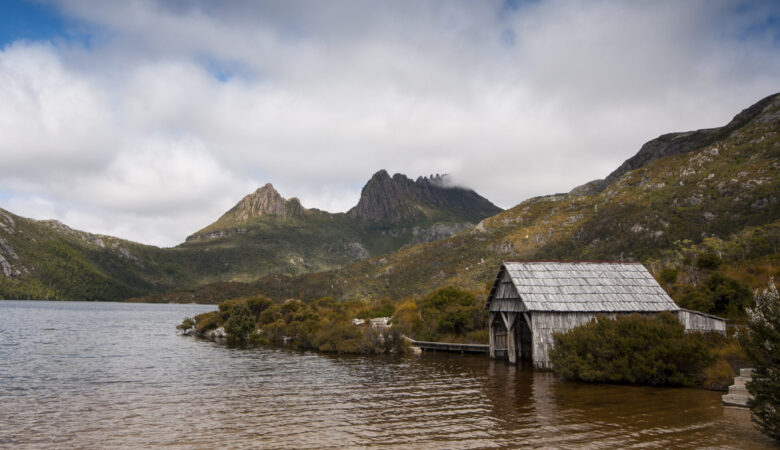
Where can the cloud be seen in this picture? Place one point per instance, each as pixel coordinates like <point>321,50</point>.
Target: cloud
<point>175,110</point>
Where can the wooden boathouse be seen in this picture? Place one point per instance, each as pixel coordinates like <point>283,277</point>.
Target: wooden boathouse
<point>530,301</point>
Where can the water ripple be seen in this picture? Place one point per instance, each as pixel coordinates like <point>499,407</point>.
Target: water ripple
<point>89,375</point>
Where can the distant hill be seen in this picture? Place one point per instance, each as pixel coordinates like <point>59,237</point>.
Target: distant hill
<point>684,196</point>
<point>48,260</point>
<point>262,234</point>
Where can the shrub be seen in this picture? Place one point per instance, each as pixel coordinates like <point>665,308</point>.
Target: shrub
<point>762,345</point>
<point>206,321</point>
<point>708,261</point>
<point>384,308</point>
<point>669,275</point>
<point>186,324</point>
<point>258,304</point>
<point>240,323</point>
<point>343,338</point>
<point>729,296</point>
<point>631,349</point>
<point>407,318</point>
<point>718,295</point>
<point>450,311</point>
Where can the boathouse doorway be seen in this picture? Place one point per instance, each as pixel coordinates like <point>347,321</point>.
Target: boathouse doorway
<point>511,337</point>
<point>523,338</point>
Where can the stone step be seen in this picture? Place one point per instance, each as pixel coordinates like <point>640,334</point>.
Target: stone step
<point>740,381</point>
<point>738,390</point>
<point>745,372</point>
<point>734,400</point>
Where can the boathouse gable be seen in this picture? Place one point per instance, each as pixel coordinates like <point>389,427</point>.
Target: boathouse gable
<point>531,301</point>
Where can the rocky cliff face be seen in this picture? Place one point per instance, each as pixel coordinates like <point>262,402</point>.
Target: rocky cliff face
<point>765,111</point>
<point>265,201</point>
<point>398,198</point>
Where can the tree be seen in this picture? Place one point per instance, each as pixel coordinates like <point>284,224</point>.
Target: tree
<point>762,345</point>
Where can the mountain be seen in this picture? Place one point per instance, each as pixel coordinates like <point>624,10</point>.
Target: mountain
<point>399,199</point>
<point>263,234</point>
<point>684,199</point>
<point>265,201</point>
<point>48,260</point>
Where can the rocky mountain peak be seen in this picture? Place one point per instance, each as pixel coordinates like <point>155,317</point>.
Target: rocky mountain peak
<point>398,198</point>
<point>262,202</point>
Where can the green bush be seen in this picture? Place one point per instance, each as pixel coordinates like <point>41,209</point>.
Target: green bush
<point>239,325</point>
<point>708,261</point>
<point>186,324</point>
<point>384,308</point>
<point>449,311</point>
<point>729,296</point>
<point>669,275</point>
<point>719,295</point>
<point>259,304</point>
<point>632,349</point>
<point>206,321</point>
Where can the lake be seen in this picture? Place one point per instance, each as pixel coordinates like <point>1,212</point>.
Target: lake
<point>97,375</point>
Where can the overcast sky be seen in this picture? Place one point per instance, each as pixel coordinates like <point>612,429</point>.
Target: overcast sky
<point>148,119</point>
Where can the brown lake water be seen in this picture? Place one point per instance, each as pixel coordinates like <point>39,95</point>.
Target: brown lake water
<point>108,375</point>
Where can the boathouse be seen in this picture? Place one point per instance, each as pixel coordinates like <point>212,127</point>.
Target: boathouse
<point>530,301</point>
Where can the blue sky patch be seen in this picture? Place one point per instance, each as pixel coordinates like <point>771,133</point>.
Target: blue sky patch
<point>29,21</point>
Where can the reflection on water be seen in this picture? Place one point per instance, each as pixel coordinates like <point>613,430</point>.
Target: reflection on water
<point>102,375</point>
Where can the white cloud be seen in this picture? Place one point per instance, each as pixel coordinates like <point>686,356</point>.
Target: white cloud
<point>177,109</point>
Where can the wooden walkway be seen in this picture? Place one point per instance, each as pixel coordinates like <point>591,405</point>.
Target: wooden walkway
<point>450,347</point>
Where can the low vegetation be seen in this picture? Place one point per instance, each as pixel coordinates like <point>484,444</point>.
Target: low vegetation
<point>448,314</point>
<point>327,325</point>
<point>652,350</point>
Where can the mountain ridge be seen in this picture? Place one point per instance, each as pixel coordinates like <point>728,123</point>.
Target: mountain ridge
<point>262,234</point>
<point>680,143</point>
<point>720,198</point>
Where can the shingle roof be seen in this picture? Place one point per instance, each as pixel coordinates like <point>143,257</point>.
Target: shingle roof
<point>585,287</point>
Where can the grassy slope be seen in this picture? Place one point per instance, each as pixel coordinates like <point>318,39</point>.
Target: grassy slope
<point>56,262</point>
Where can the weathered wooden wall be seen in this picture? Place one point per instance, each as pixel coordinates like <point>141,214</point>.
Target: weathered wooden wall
<point>697,321</point>
<point>544,324</point>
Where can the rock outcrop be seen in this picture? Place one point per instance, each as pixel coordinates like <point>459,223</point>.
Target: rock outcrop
<point>398,198</point>
<point>265,201</point>
<point>765,110</point>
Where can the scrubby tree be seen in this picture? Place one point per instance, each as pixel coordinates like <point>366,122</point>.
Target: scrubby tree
<point>240,323</point>
<point>762,345</point>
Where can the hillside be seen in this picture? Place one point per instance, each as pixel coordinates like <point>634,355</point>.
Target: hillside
<point>48,260</point>
<point>262,234</point>
<point>265,233</point>
<point>684,198</point>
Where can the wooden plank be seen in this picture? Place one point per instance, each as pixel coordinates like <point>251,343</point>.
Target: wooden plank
<point>450,347</point>
<point>492,334</point>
